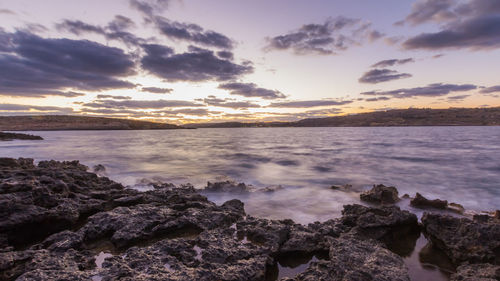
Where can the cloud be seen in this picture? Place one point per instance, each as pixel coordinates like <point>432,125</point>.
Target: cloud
<point>430,10</point>
<point>101,97</point>
<point>141,104</point>
<point>392,62</point>
<point>492,89</point>
<point>309,103</point>
<point>334,35</point>
<point>225,55</point>
<point>115,30</point>
<point>22,108</point>
<point>194,65</point>
<point>377,99</point>
<point>432,90</point>
<point>157,90</point>
<point>475,34</point>
<point>457,98</point>
<point>472,24</point>
<point>6,12</point>
<point>35,67</point>
<point>251,90</point>
<point>149,7</point>
<point>375,76</point>
<point>192,33</point>
<point>213,101</point>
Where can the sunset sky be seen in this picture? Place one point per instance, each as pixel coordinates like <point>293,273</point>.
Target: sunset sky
<point>182,61</point>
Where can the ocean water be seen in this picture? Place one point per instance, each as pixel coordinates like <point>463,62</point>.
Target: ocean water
<point>459,164</point>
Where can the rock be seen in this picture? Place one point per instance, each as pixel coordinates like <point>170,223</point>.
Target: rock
<point>464,240</point>
<point>397,229</point>
<point>420,201</point>
<point>497,215</point>
<point>380,194</point>
<point>457,208</point>
<point>353,259</point>
<point>228,186</point>
<point>477,272</point>
<point>18,136</point>
<point>346,187</point>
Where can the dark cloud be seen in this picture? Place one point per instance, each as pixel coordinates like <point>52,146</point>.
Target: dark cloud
<point>213,101</point>
<point>149,7</point>
<point>79,27</point>
<point>432,90</point>
<point>392,62</point>
<point>334,35</point>
<point>225,55</point>
<point>115,30</point>
<point>101,97</point>
<point>309,103</point>
<point>6,108</point>
<point>477,33</point>
<point>377,99</point>
<point>141,104</point>
<point>492,89</point>
<point>251,90</point>
<point>157,90</point>
<point>33,66</point>
<point>191,32</point>
<point>375,76</point>
<point>472,24</point>
<point>197,65</point>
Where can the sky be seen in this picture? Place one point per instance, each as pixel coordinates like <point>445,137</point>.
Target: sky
<point>185,61</point>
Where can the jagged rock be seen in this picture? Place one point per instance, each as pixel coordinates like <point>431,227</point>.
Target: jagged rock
<point>457,208</point>
<point>464,240</point>
<point>477,272</point>
<point>228,186</point>
<point>380,194</point>
<point>420,201</point>
<point>354,259</point>
<point>17,136</point>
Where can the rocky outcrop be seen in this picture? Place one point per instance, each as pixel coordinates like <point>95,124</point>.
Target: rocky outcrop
<point>420,201</point>
<point>18,136</point>
<point>228,186</point>
<point>463,239</point>
<point>380,194</point>
<point>60,222</point>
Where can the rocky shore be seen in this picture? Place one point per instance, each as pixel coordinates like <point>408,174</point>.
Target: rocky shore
<point>60,222</point>
<point>18,136</point>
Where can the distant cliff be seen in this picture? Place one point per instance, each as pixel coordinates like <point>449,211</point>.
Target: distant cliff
<point>397,117</point>
<point>64,122</point>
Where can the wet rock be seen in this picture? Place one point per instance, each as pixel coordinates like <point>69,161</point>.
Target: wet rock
<point>345,187</point>
<point>228,186</point>
<point>380,194</point>
<point>464,240</point>
<point>354,259</point>
<point>456,208</point>
<point>397,229</point>
<point>420,201</point>
<point>477,272</point>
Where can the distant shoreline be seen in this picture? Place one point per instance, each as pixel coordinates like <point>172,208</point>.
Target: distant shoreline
<point>391,118</point>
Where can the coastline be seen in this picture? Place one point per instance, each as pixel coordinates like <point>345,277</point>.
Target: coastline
<point>59,217</point>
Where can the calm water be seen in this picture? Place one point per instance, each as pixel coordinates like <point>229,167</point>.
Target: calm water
<point>460,164</point>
